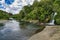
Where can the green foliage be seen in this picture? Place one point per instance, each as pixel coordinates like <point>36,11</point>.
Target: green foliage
<point>4,15</point>
<point>16,16</point>
<point>56,8</point>
<point>57,19</point>
<point>41,11</point>
<point>27,9</point>
<point>19,16</point>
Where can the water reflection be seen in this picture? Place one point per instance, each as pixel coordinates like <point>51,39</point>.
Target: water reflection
<point>13,31</point>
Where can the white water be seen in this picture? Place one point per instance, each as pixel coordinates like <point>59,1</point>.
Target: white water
<point>52,21</point>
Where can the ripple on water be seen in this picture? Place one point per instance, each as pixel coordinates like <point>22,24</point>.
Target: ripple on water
<point>12,31</point>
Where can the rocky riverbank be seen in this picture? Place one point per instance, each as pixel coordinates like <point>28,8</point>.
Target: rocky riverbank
<point>49,33</point>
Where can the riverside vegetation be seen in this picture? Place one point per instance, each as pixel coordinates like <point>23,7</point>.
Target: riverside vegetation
<point>4,15</point>
<point>40,11</point>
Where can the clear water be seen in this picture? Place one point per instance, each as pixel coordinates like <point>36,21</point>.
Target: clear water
<point>13,31</point>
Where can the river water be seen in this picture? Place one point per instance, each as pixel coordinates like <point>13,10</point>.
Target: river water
<point>14,30</point>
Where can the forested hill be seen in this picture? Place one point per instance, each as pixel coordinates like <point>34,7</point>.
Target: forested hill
<point>4,15</point>
<point>42,11</point>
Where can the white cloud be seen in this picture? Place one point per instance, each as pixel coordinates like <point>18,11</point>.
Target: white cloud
<point>16,6</point>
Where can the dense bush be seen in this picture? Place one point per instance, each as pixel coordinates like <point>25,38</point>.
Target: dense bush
<point>4,15</point>
<point>57,19</point>
<point>57,9</point>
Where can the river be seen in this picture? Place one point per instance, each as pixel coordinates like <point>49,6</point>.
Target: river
<point>14,30</point>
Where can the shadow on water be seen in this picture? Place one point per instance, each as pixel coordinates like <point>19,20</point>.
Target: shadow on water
<point>1,25</point>
<point>27,25</point>
<point>14,30</point>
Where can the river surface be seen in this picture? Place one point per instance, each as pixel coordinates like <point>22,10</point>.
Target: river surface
<point>14,30</point>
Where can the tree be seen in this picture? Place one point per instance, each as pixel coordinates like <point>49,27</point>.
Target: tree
<point>41,11</point>
<point>4,15</point>
<point>56,8</point>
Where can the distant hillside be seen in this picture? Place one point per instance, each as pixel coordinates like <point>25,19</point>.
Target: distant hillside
<point>4,15</point>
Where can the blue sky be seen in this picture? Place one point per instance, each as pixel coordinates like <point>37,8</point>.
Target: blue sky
<point>9,2</point>
<point>14,6</point>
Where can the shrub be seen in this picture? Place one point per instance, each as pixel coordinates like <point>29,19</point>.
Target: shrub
<point>57,19</point>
